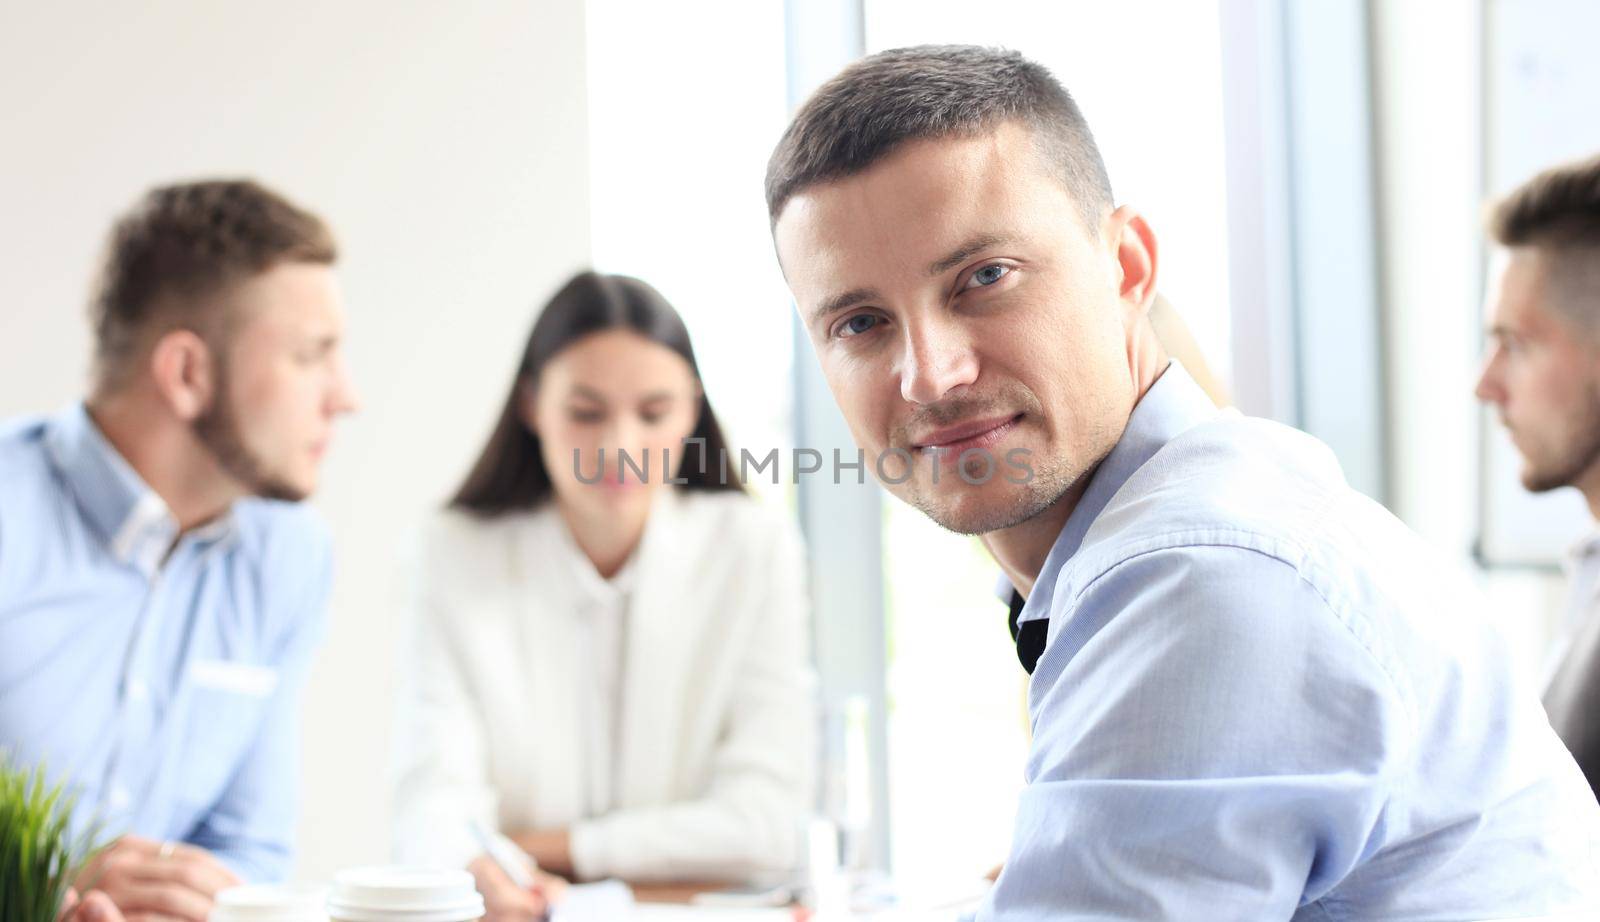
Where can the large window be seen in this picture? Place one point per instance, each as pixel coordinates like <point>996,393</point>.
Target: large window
<point>682,117</point>
<point>677,162</point>
<point>957,714</point>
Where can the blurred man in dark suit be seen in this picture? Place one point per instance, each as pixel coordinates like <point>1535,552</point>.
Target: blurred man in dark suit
<point>1542,376</point>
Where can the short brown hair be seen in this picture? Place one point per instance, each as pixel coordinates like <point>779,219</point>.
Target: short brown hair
<point>934,92</point>
<point>1558,213</point>
<point>1557,209</point>
<point>182,243</point>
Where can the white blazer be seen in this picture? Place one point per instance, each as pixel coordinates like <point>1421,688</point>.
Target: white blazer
<point>715,750</point>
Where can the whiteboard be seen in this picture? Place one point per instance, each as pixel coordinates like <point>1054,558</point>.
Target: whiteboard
<point>1542,107</point>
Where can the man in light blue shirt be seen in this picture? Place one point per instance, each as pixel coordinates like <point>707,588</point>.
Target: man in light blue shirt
<point>1256,695</point>
<point>161,590</point>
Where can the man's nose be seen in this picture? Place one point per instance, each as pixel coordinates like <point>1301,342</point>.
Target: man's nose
<point>938,359</point>
<point>1488,388</point>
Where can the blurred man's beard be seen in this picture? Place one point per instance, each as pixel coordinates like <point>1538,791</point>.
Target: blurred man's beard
<point>218,430</point>
<point>1583,456</point>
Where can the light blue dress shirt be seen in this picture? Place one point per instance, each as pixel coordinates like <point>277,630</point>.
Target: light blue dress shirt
<point>162,687</point>
<point>1263,698</point>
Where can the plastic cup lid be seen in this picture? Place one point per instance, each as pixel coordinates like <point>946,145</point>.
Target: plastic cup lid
<point>409,894</point>
<point>259,903</point>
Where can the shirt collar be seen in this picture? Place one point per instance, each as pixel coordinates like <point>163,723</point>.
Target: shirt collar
<point>1585,547</point>
<point>1172,405</point>
<point>131,518</point>
<point>619,585</point>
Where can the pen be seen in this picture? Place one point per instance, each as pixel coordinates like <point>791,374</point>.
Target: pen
<point>516,863</point>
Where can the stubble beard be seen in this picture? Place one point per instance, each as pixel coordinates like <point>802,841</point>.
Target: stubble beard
<point>217,430</point>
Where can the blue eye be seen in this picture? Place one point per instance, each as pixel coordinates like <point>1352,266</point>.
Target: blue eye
<point>988,275</point>
<point>858,324</point>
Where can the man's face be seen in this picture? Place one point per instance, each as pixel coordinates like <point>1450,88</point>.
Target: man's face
<point>281,381</point>
<point>956,301</point>
<point>1542,375</point>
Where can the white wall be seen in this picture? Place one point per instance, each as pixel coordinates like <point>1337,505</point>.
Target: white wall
<point>447,146</point>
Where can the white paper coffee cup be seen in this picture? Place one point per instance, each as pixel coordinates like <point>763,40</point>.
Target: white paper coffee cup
<point>269,904</point>
<point>404,895</point>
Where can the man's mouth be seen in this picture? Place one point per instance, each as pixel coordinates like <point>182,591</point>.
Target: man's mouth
<point>948,443</point>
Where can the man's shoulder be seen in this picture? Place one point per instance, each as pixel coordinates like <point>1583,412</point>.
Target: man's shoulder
<point>1272,497</point>
<point>24,429</point>
<point>1237,481</point>
<point>1262,515</point>
<point>23,458</point>
<point>30,495</point>
<point>30,489</point>
<point>1243,469</point>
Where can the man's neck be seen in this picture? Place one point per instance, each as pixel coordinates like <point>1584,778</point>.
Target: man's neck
<point>165,454</point>
<point>1021,549</point>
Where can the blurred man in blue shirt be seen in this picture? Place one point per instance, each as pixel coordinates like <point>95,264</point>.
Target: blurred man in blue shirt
<point>161,588</point>
<point>1255,694</point>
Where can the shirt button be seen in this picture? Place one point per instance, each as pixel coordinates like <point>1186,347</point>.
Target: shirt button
<point>138,690</point>
<point>120,799</point>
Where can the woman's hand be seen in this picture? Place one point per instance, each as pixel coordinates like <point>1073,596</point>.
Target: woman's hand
<point>504,901</point>
<point>551,849</point>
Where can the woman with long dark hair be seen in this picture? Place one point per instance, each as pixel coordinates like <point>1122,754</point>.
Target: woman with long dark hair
<point>609,662</point>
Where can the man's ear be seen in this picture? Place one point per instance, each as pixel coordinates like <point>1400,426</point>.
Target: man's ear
<point>185,373</point>
<point>1133,244</point>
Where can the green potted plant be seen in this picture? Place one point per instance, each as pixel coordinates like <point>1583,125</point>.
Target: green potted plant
<point>39,855</point>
